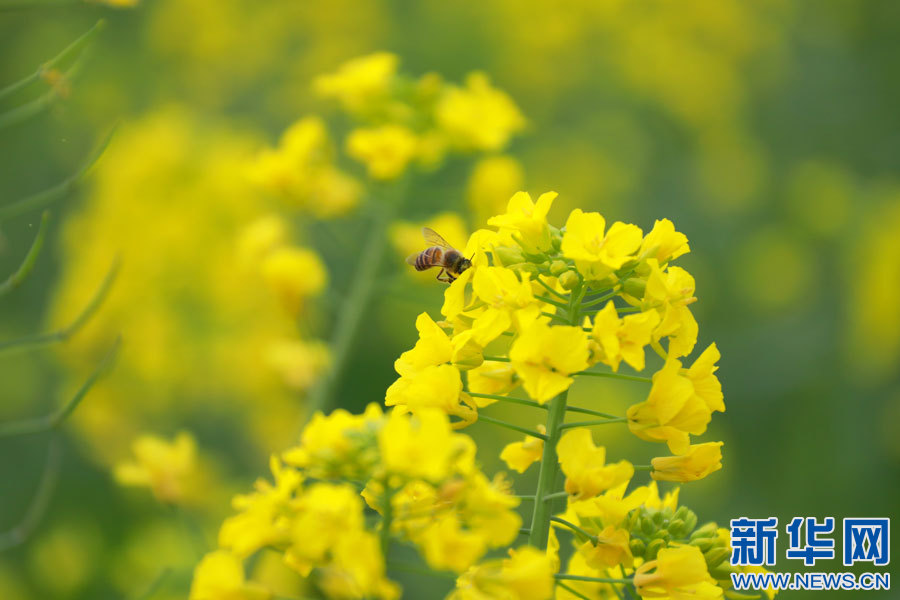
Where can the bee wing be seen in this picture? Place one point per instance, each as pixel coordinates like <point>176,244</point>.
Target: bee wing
<point>411,259</point>
<point>433,239</point>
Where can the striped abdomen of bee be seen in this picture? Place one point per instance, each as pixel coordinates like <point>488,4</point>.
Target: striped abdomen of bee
<point>431,257</point>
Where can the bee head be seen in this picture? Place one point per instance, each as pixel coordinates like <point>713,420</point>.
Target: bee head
<point>464,264</point>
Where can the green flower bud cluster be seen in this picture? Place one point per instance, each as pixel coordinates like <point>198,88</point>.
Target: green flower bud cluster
<point>652,529</point>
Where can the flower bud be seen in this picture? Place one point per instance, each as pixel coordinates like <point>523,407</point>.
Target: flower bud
<point>638,547</point>
<point>647,526</point>
<point>558,267</point>
<point>568,280</point>
<point>677,528</point>
<point>507,255</point>
<point>635,287</point>
<point>653,549</point>
<point>703,543</point>
<point>690,521</point>
<point>707,531</point>
<point>715,556</point>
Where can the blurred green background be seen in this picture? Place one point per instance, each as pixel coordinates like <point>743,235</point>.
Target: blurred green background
<point>767,131</point>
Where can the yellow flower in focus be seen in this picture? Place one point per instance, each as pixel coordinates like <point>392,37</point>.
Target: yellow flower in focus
<point>508,300</point>
<point>671,412</point>
<point>299,363</point>
<point>493,181</point>
<point>518,456</point>
<point>385,150</point>
<point>526,575</point>
<point>622,339</point>
<point>610,548</point>
<point>678,572</point>
<point>607,509</point>
<point>432,348</point>
<point>653,499</point>
<point>670,292</point>
<point>361,82</point>
<point>699,461</point>
<point>169,469</point>
<point>545,356</point>
<point>585,468</point>
<point>294,274</point>
<point>664,243</point>
<point>478,116</point>
<point>527,220</point>
<point>220,576</point>
<point>598,254</point>
<point>497,378</point>
<point>423,446</point>
<point>432,387</point>
<point>706,385</point>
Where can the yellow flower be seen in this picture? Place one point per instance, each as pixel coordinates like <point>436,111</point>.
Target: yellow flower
<point>496,378</point>
<point>324,514</point>
<point>431,387</point>
<point>670,293</point>
<point>527,220</point>
<point>423,446</point>
<point>653,500</point>
<point>526,575</point>
<point>492,182</point>
<point>596,254</point>
<point>671,412</point>
<point>338,445</point>
<point>447,546</point>
<point>299,363</point>
<point>220,576</point>
<point>259,522</point>
<point>507,299</point>
<point>294,274</point>
<point>479,116</point>
<point>259,238</point>
<point>169,469</point>
<point>610,548</point>
<point>432,348</point>
<point>361,82</point>
<point>678,572</point>
<point>607,509</point>
<point>664,243</point>
<point>521,455</point>
<point>584,466</point>
<point>545,356</point>
<point>385,150</point>
<point>622,339</point>
<point>699,461</point>
<point>357,569</point>
<point>707,385</point>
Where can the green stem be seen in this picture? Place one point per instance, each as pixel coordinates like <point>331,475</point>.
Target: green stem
<point>41,199</point>
<point>512,426</point>
<point>556,495</point>
<point>387,518</point>
<point>540,519</point>
<point>572,591</point>
<point>592,423</point>
<point>354,310</point>
<point>551,301</point>
<point>575,528</point>
<point>551,290</point>
<point>593,579</point>
<point>39,502</point>
<point>496,358</point>
<point>588,411</point>
<point>16,279</point>
<point>643,467</point>
<point>54,419</point>
<point>614,376</point>
<point>599,300</point>
<point>509,399</point>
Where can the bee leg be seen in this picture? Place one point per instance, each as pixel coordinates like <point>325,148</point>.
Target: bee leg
<point>441,272</point>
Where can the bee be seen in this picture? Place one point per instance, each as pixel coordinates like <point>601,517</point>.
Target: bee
<point>439,254</point>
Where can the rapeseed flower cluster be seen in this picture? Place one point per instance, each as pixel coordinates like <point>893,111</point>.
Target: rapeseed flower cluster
<point>539,308</point>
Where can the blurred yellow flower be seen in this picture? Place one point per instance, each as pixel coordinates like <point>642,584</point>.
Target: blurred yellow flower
<point>423,446</point>
<point>294,274</point>
<point>169,469</point>
<point>300,363</point>
<point>545,356</point>
<point>677,572</point>
<point>360,82</point>
<point>699,461</point>
<point>526,575</point>
<point>385,150</point>
<point>518,456</point>
<point>493,181</point>
<point>585,468</point>
<point>259,238</point>
<point>220,576</point>
<point>478,116</point>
